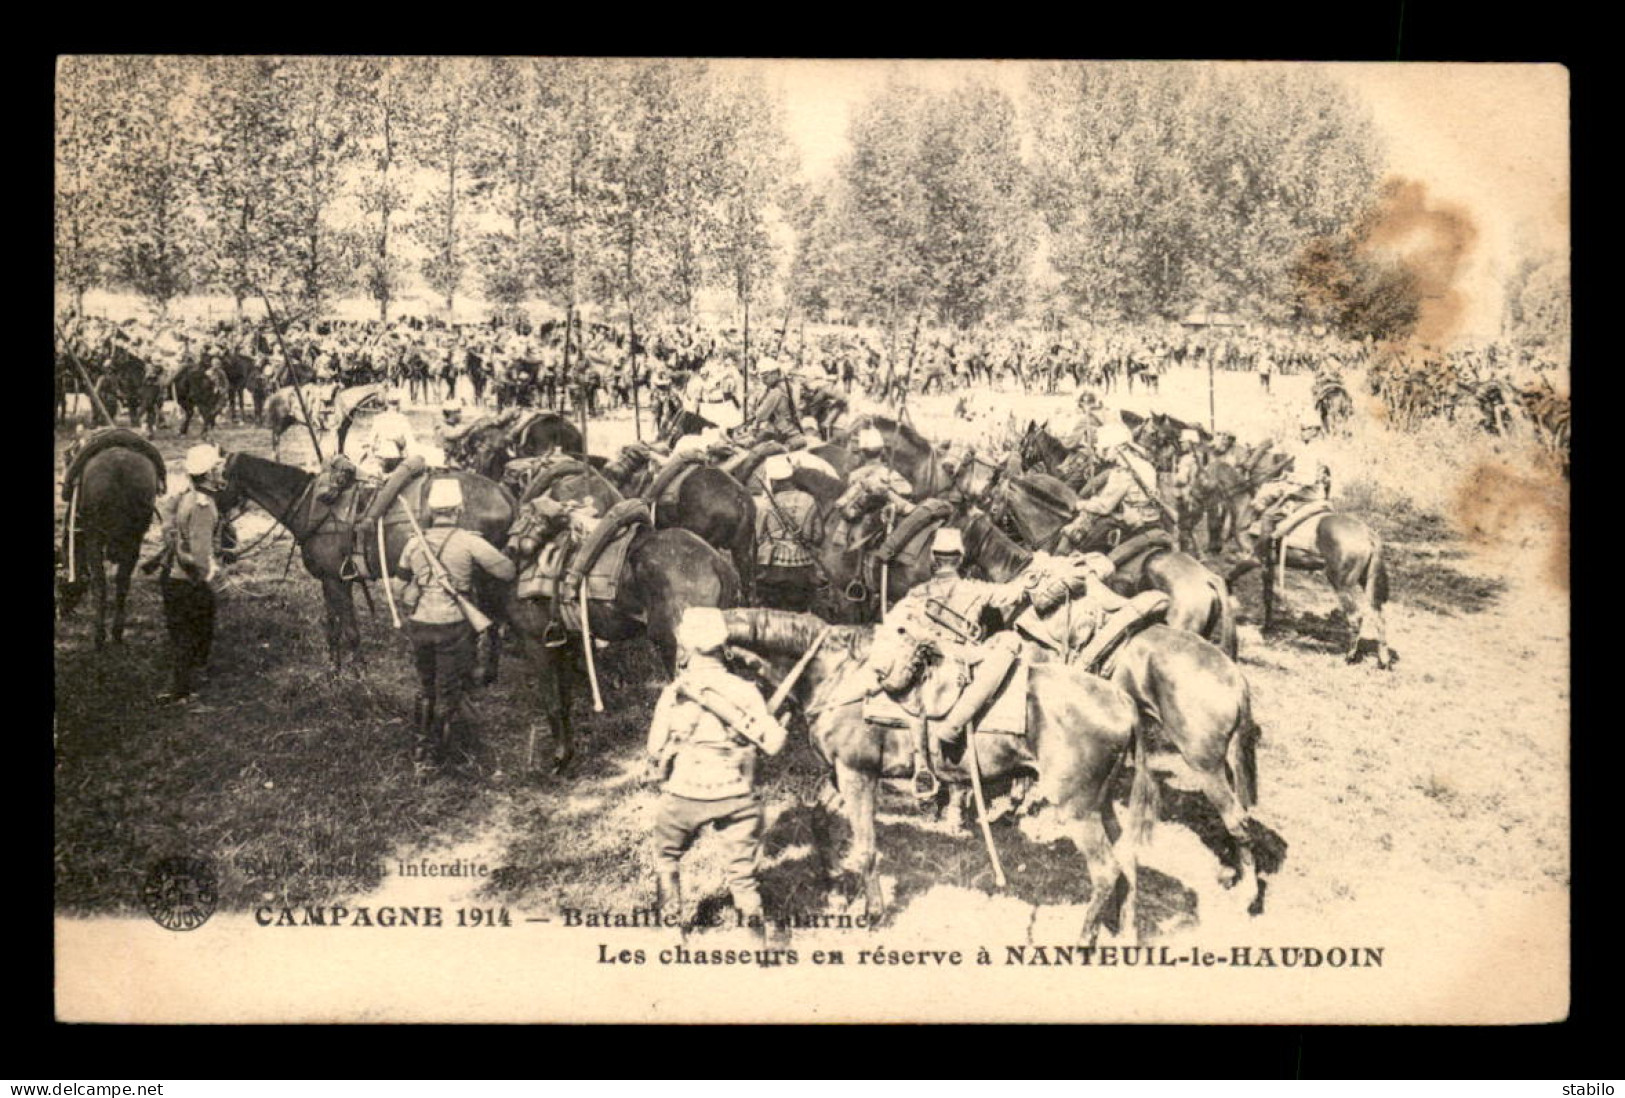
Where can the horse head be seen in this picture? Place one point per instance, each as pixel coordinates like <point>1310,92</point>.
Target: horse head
<point>337,475</point>
<point>897,657</point>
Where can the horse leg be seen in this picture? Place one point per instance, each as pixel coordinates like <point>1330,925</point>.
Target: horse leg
<point>123,569</point>
<point>1223,796</point>
<point>98,583</point>
<point>860,792</point>
<point>1351,598</point>
<point>335,600</point>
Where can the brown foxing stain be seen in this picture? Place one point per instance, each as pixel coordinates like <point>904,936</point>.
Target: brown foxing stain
<point>1489,509</point>
<point>1431,242</point>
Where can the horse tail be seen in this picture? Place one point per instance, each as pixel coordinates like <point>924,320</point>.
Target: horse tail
<point>1144,797</point>
<point>1222,621</point>
<point>1243,752</point>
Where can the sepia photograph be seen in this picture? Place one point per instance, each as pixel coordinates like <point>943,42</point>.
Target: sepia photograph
<point>750,540</point>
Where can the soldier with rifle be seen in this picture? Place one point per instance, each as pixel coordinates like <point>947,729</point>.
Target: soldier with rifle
<point>709,728</point>
<point>1127,504</point>
<point>443,621</point>
<point>788,526</point>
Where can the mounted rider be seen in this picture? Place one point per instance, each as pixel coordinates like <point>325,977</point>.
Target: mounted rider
<point>1303,481</point>
<point>1126,504</point>
<point>874,480</point>
<point>774,413</point>
<point>965,621</point>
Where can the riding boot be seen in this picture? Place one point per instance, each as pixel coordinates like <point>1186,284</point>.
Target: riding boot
<point>423,737</point>
<point>669,898</point>
<point>989,677</point>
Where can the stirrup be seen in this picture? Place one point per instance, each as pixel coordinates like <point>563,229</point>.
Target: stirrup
<point>351,570</point>
<point>928,788</point>
<point>555,635</point>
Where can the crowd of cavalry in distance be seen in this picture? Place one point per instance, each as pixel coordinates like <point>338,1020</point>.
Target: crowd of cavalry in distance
<point>762,493</point>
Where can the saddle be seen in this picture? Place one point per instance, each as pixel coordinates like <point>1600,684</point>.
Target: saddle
<point>1005,715</point>
<point>106,438</point>
<point>922,522</point>
<point>671,473</point>
<point>743,465</point>
<point>1143,542</point>
<point>596,560</point>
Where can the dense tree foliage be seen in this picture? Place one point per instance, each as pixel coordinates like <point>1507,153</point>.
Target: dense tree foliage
<point>640,188</point>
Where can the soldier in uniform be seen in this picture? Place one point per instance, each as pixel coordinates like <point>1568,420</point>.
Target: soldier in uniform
<point>1303,480</point>
<point>191,536</point>
<point>443,639</point>
<point>873,477</point>
<point>708,728</point>
<point>774,416</point>
<point>450,427</point>
<point>1182,486</point>
<point>965,620</point>
<point>1124,503</point>
<point>788,525</point>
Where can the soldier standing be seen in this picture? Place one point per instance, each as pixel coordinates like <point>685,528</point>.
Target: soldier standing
<point>708,728</point>
<point>788,525</point>
<point>443,639</point>
<point>191,533</point>
<point>1182,486</point>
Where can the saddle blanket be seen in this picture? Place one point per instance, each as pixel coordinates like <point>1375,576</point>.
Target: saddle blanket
<point>541,579</point>
<point>1005,715</point>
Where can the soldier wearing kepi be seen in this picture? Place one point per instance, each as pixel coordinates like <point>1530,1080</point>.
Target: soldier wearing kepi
<point>788,528</point>
<point>1126,503</point>
<point>874,478</point>
<point>965,620</point>
<point>191,538</point>
<point>774,416</point>
<point>443,639</point>
<point>708,729</point>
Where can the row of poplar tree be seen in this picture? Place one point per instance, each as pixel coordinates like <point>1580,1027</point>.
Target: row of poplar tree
<point>1106,190</point>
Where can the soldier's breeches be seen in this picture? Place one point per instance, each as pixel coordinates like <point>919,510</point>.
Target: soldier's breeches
<point>738,823</point>
<point>443,654</point>
<point>189,620</point>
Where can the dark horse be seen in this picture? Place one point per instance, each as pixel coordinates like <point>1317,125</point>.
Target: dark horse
<point>707,500</point>
<point>1078,728</point>
<point>116,489</point>
<point>1351,555</point>
<point>322,528</point>
<point>488,444</point>
<point>1199,600</point>
<point>665,572</point>
<point>202,389</point>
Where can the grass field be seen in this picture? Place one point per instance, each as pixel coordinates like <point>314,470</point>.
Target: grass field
<point>1446,778</point>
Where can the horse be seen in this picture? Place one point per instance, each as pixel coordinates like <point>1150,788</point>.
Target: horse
<point>1225,482</point>
<point>707,501</point>
<point>907,451</point>
<point>1198,600</point>
<point>1181,683</point>
<point>666,571</point>
<point>283,411</point>
<point>321,527</point>
<point>1333,405</point>
<point>116,490</point>
<point>547,432</point>
<point>1079,727</point>
<point>1351,556</point>
<point>202,389</point>
<point>137,388</point>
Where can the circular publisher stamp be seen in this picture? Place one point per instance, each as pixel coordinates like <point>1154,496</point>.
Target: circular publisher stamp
<point>180,893</point>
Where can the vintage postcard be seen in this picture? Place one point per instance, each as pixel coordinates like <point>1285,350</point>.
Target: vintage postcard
<point>731,540</point>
